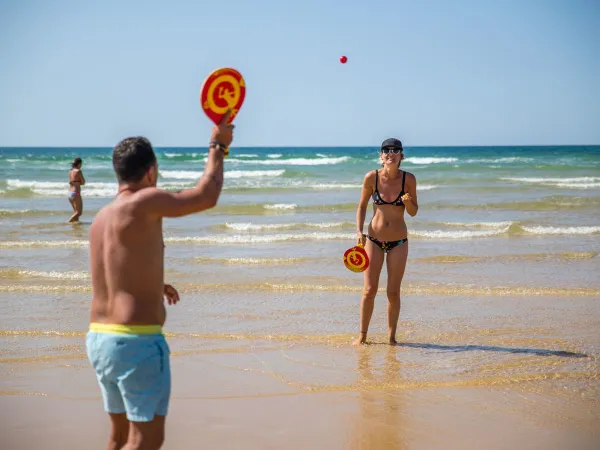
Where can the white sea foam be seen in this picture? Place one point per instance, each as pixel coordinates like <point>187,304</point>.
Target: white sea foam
<point>282,226</point>
<point>293,161</point>
<point>426,187</point>
<point>285,206</point>
<point>569,183</point>
<point>46,244</point>
<point>512,159</point>
<point>491,225</point>
<point>548,230</point>
<point>59,189</point>
<point>427,160</point>
<point>8,212</point>
<point>181,174</point>
<point>274,155</point>
<point>332,186</point>
<point>253,173</point>
<point>54,274</point>
<point>100,193</point>
<point>578,185</point>
<point>21,184</point>
<point>259,239</point>
<point>463,234</point>
<point>195,175</point>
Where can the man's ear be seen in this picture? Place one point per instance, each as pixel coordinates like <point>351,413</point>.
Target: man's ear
<point>152,173</point>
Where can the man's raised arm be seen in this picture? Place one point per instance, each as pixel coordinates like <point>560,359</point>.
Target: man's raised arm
<point>208,189</point>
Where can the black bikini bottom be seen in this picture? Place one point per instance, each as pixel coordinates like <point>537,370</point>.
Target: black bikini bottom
<point>386,246</point>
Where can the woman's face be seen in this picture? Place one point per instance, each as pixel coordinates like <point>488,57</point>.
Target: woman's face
<point>391,156</point>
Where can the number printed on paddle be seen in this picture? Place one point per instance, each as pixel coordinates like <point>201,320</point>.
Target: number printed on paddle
<point>222,90</point>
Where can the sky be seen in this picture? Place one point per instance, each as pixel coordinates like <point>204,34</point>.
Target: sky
<point>429,72</point>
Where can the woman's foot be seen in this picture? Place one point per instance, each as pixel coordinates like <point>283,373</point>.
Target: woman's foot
<point>362,339</point>
<point>393,341</point>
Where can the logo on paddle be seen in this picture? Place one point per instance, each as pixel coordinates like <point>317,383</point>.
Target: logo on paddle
<point>356,259</point>
<point>223,89</point>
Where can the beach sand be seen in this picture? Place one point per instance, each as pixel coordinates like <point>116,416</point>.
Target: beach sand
<point>467,375</point>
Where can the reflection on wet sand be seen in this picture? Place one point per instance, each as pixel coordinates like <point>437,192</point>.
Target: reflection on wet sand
<point>382,416</point>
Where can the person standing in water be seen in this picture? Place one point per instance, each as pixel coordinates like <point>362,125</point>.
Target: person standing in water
<point>393,191</point>
<point>125,342</point>
<point>76,180</point>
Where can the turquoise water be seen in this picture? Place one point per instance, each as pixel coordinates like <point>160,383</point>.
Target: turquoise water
<point>480,209</point>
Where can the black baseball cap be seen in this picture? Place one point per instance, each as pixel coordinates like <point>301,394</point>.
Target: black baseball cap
<point>392,142</point>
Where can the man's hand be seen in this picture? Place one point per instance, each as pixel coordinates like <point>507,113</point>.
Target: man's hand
<point>171,294</point>
<point>223,133</point>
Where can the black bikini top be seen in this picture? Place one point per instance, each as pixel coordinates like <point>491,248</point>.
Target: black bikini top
<point>377,196</point>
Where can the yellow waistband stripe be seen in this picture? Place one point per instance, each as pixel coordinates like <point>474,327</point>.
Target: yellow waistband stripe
<point>117,328</point>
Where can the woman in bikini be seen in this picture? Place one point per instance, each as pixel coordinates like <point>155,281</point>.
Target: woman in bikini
<point>76,180</point>
<point>393,191</point>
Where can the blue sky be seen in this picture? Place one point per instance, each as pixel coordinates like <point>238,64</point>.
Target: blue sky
<point>511,72</point>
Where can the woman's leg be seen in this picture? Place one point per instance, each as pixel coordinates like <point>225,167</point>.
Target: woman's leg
<point>371,284</point>
<point>396,263</point>
<point>78,207</point>
<point>72,203</point>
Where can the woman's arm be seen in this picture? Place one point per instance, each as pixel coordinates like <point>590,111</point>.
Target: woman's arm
<point>361,212</point>
<point>410,198</point>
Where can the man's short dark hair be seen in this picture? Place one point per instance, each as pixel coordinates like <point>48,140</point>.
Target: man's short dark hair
<point>132,157</point>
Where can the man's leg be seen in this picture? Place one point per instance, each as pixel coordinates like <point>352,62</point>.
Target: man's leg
<point>146,435</point>
<point>99,355</point>
<point>146,391</point>
<point>119,431</point>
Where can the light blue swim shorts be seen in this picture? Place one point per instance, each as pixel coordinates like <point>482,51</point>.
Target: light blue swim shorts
<point>133,370</point>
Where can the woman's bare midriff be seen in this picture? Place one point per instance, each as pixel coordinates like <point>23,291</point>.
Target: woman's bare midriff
<point>388,223</point>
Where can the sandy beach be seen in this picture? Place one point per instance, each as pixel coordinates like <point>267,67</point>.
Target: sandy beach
<point>472,372</point>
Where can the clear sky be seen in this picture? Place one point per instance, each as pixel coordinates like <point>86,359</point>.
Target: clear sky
<point>431,72</point>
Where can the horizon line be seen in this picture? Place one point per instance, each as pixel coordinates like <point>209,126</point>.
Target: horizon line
<point>299,146</point>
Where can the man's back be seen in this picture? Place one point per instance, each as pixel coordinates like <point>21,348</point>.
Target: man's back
<point>125,343</point>
<point>126,250</point>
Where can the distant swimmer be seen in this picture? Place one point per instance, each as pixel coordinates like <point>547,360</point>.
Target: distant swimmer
<point>125,342</point>
<point>393,191</point>
<point>76,180</point>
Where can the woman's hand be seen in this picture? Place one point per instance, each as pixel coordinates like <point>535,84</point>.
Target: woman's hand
<point>361,238</point>
<point>407,198</point>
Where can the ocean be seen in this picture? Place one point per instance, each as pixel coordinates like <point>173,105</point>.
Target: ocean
<point>500,300</point>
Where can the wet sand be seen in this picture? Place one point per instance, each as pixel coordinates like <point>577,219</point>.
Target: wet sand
<point>472,372</point>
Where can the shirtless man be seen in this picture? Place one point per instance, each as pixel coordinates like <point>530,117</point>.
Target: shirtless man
<point>125,343</point>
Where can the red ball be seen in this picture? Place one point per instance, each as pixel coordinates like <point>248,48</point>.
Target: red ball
<point>343,59</point>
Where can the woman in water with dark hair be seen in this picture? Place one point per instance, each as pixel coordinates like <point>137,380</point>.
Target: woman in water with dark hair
<point>393,191</point>
<point>76,180</point>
